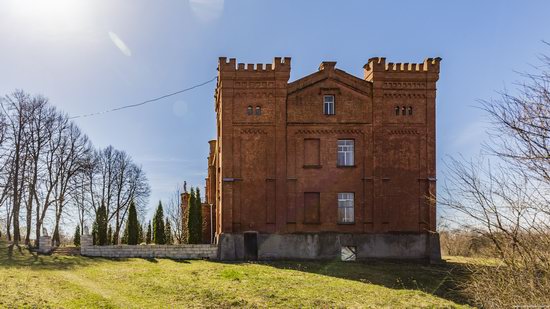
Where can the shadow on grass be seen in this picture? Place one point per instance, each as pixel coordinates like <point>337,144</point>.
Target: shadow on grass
<point>16,256</point>
<point>441,280</point>
<point>19,256</point>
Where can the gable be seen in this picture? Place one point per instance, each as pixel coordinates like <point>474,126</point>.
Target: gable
<point>338,76</point>
<point>352,97</point>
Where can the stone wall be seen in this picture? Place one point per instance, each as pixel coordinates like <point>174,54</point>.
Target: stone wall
<point>148,251</point>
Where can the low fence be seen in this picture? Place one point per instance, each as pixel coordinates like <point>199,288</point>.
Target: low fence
<point>179,252</point>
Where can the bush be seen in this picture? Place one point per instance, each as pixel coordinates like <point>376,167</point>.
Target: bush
<point>505,287</point>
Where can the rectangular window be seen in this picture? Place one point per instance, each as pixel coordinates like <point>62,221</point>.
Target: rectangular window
<point>328,104</point>
<point>312,203</point>
<point>345,152</point>
<point>345,207</point>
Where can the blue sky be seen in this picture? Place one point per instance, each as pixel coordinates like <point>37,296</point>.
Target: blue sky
<point>89,56</point>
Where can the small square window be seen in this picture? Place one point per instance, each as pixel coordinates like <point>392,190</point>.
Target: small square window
<point>348,253</point>
<point>328,103</point>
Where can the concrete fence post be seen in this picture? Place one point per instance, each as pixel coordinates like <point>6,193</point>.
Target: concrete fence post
<point>86,243</point>
<point>45,245</point>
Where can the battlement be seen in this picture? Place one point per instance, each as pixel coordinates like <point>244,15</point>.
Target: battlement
<point>279,64</point>
<point>378,64</point>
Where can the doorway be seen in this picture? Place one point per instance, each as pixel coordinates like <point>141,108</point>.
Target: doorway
<point>251,246</point>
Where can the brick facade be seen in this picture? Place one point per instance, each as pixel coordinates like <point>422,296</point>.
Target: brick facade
<point>274,167</point>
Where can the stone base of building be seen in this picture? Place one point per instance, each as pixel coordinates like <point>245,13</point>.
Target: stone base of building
<point>328,246</point>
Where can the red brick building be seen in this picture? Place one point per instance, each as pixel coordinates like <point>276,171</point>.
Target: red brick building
<point>327,162</point>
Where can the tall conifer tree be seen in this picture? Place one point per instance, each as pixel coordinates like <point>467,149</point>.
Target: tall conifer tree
<point>148,236</point>
<point>168,232</point>
<point>101,220</point>
<point>132,225</point>
<point>76,239</point>
<point>110,236</point>
<point>198,216</point>
<point>158,226</point>
<point>191,228</point>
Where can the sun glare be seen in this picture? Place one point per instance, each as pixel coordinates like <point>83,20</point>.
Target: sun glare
<point>49,15</point>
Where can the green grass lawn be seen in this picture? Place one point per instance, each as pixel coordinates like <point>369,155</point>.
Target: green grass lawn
<point>27,280</point>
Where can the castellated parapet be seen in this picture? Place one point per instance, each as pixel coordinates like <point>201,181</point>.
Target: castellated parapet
<point>279,64</point>
<point>379,66</point>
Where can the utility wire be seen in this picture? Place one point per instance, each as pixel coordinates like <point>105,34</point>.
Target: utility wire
<point>144,102</point>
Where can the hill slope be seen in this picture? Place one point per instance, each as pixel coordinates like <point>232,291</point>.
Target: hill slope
<point>74,281</point>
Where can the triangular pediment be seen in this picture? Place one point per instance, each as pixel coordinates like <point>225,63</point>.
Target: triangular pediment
<point>335,75</point>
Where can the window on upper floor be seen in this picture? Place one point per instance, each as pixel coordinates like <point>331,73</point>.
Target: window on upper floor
<point>258,110</point>
<point>328,104</point>
<point>346,152</point>
<point>249,110</point>
<point>346,207</point>
<point>403,110</point>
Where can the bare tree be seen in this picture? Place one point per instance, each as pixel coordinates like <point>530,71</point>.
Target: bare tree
<point>71,160</point>
<point>505,197</point>
<point>40,116</point>
<point>5,171</point>
<point>14,106</point>
<point>116,180</point>
<point>175,216</point>
<point>47,163</point>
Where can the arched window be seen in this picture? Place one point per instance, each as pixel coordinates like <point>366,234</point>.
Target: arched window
<point>410,110</point>
<point>397,111</point>
<point>249,110</point>
<point>403,110</point>
<point>258,110</point>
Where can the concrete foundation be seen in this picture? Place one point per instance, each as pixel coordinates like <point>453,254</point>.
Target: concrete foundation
<point>329,245</point>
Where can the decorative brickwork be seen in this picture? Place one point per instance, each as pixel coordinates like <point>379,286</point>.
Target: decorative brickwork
<point>282,171</point>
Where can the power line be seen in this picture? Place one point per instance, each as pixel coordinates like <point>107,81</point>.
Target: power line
<point>144,102</point>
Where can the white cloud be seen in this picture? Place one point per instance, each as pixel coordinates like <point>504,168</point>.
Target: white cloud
<point>207,10</point>
<point>120,44</point>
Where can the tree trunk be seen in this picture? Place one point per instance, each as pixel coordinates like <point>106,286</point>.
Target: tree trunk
<point>38,223</point>
<point>56,240</point>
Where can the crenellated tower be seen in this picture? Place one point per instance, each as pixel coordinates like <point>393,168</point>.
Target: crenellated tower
<point>251,122</point>
<point>404,126</point>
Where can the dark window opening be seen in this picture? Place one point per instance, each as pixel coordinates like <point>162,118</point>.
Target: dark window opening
<point>249,110</point>
<point>410,110</point>
<point>397,110</point>
<point>258,110</point>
